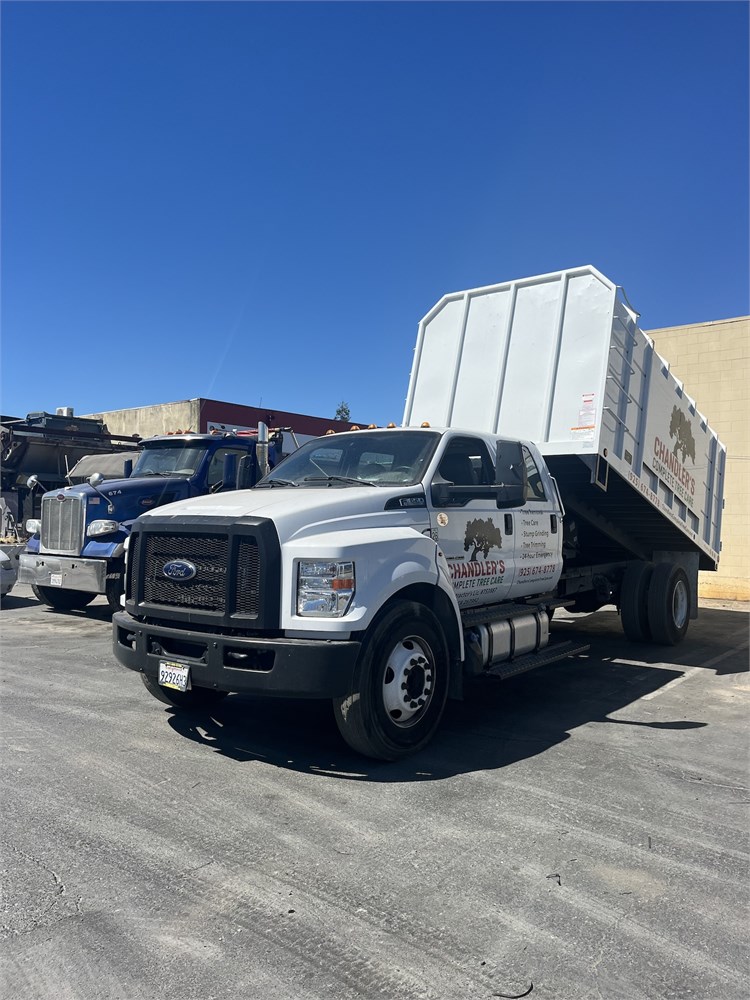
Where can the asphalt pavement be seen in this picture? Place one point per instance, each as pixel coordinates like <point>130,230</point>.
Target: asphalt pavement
<point>577,832</point>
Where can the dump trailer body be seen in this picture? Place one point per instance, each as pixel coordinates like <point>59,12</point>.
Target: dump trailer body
<point>560,359</point>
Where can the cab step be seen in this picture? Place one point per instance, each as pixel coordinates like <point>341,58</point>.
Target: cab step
<point>559,651</point>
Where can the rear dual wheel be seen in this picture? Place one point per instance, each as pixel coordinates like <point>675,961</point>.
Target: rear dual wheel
<point>655,603</point>
<point>634,601</point>
<point>668,604</point>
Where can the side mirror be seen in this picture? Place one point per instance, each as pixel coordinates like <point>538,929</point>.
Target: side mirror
<point>95,480</point>
<point>510,474</point>
<point>440,493</point>
<point>229,471</point>
<point>32,481</point>
<point>127,469</point>
<point>246,473</point>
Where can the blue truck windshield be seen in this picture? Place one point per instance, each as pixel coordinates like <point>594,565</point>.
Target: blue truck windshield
<point>169,460</point>
<point>389,458</point>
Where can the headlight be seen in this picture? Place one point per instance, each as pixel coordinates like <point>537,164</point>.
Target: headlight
<point>33,526</point>
<point>324,589</point>
<point>102,528</point>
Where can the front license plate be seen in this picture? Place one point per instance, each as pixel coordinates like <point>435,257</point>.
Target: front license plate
<point>174,675</point>
<point>55,579</point>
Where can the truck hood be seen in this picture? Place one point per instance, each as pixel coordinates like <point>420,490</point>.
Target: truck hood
<point>297,511</point>
<point>129,497</point>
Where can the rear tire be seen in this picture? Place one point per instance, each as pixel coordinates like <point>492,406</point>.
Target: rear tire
<point>195,699</point>
<point>400,685</point>
<point>634,601</point>
<point>669,604</point>
<point>62,600</point>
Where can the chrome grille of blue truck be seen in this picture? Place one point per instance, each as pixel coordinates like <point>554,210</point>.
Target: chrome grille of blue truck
<point>63,524</point>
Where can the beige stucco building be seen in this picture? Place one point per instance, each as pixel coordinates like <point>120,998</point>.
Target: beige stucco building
<point>713,361</point>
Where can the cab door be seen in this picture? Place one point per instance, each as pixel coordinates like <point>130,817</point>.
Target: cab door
<point>538,532</point>
<point>476,538</point>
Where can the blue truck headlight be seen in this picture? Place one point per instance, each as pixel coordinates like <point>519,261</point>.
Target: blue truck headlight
<point>33,526</point>
<point>102,528</point>
<point>325,589</point>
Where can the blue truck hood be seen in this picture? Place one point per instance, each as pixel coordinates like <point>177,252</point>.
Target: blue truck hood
<point>129,497</point>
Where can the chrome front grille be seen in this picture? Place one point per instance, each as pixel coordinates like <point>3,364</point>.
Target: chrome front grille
<point>63,524</point>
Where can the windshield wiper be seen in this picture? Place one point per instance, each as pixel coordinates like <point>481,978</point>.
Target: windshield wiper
<point>149,472</point>
<point>338,479</point>
<point>276,482</point>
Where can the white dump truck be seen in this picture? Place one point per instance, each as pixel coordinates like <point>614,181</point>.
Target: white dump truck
<point>547,458</point>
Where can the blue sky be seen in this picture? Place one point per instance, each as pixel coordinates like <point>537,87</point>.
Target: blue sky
<point>258,202</point>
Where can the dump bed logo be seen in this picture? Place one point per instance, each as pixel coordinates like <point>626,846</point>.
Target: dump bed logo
<point>667,464</point>
<point>682,432</point>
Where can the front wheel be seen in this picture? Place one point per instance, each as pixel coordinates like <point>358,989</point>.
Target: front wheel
<point>62,600</point>
<point>400,685</point>
<point>115,588</point>
<point>196,698</point>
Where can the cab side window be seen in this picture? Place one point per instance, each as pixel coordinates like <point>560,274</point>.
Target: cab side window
<point>534,484</point>
<point>216,468</point>
<point>467,463</point>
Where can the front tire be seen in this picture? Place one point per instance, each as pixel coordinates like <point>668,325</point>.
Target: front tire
<point>400,685</point>
<point>196,699</point>
<point>62,600</point>
<point>669,604</point>
<point>115,588</point>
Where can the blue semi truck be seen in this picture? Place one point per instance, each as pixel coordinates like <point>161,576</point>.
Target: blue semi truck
<point>77,546</point>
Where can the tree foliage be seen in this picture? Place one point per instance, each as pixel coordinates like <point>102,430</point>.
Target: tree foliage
<point>342,411</point>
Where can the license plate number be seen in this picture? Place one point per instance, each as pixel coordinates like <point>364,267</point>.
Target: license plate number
<point>174,675</point>
<point>55,580</point>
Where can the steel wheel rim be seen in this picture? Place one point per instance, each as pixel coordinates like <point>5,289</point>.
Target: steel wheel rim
<point>408,681</point>
<point>680,604</point>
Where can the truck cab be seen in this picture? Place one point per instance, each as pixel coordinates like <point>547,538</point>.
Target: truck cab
<point>77,546</point>
<point>375,568</point>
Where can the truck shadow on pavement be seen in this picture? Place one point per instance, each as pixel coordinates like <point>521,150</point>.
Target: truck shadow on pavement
<point>99,611</point>
<point>497,724</point>
<point>11,601</point>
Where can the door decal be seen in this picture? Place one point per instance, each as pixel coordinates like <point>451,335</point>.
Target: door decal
<point>478,575</point>
<point>483,535</point>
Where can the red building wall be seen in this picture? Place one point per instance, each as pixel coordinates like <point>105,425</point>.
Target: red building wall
<point>237,415</point>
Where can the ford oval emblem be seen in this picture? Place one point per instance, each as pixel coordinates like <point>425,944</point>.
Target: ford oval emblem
<point>179,570</point>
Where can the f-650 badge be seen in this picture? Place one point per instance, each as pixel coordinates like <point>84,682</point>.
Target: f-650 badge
<point>179,570</point>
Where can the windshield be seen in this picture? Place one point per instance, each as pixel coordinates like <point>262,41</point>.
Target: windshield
<point>169,460</point>
<point>389,458</point>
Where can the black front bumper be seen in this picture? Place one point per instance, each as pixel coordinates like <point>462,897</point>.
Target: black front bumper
<point>284,668</point>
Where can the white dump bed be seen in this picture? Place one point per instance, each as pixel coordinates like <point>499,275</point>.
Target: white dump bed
<point>559,359</point>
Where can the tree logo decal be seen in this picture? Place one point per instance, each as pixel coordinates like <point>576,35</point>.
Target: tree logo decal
<point>682,432</point>
<point>483,535</point>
